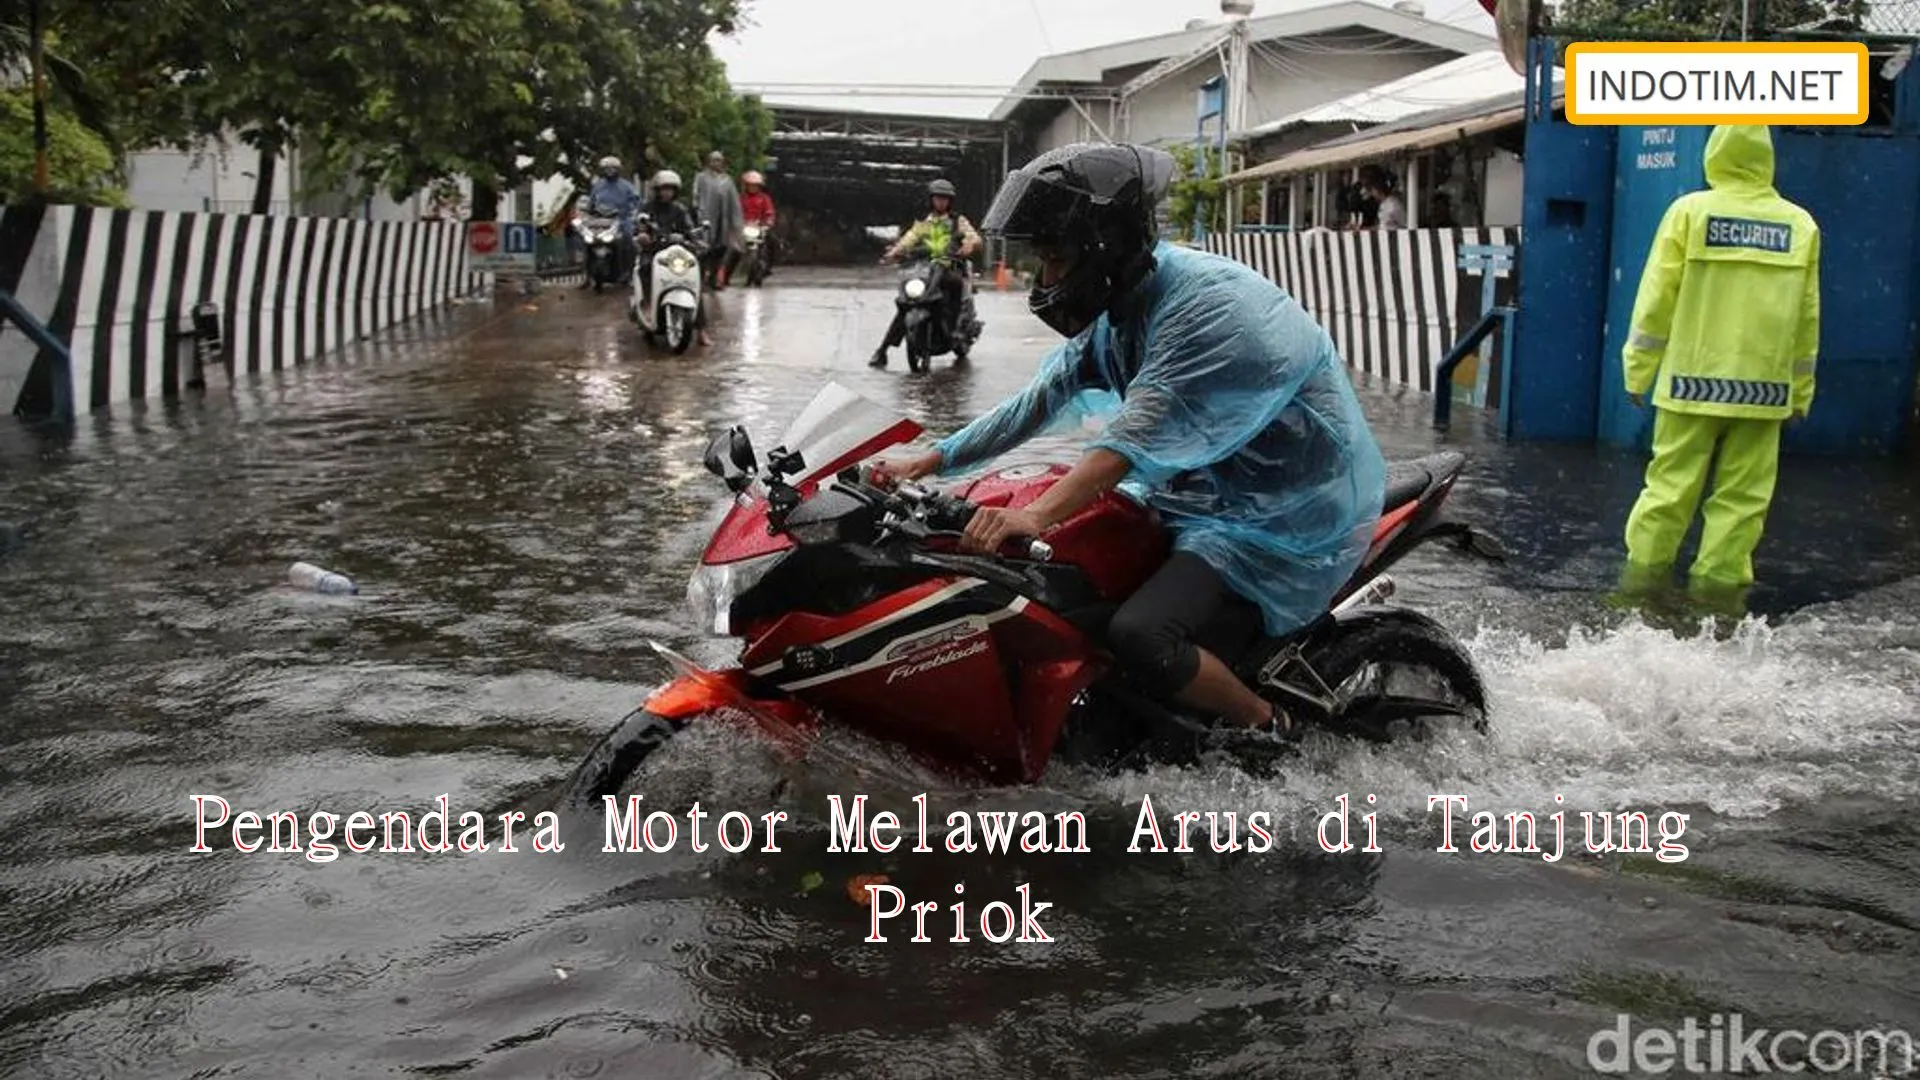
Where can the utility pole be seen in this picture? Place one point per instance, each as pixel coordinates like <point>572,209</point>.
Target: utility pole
<point>1238,44</point>
<point>36,48</point>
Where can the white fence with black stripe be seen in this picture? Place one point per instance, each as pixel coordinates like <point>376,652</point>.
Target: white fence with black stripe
<point>120,287</point>
<point>1394,300</point>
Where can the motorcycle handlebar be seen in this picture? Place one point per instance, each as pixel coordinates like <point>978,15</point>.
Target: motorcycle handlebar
<point>957,512</point>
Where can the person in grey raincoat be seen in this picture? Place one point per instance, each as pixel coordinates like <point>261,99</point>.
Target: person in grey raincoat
<point>718,202</point>
<point>1229,408</point>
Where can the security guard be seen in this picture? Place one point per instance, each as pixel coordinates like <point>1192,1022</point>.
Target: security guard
<point>1728,318</point>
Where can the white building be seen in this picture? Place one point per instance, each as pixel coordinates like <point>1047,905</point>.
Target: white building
<point>1452,137</point>
<point>1147,90</point>
<point>220,177</point>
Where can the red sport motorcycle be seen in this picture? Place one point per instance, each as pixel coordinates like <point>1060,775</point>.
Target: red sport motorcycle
<point>858,608</point>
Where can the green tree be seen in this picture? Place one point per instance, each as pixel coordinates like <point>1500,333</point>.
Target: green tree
<point>396,93</point>
<point>583,79</point>
<point>214,66</point>
<point>1695,20</point>
<point>81,165</point>
<point>1196,194</point>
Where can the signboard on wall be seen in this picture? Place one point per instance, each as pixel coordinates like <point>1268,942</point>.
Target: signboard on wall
<point>500,247</point>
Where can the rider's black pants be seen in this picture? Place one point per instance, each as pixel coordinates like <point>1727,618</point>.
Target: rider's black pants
<point>1185,606</point>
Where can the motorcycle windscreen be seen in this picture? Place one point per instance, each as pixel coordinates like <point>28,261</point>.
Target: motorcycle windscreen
<point>839,427</point>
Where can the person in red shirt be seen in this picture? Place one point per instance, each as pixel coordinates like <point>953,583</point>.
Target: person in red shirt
<point>756,208</point>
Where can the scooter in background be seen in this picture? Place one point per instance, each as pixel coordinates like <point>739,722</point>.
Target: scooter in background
<point>669,313</point>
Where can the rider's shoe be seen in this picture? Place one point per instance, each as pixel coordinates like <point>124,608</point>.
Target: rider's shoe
<point>879,359</point>
<point>1276,734</point>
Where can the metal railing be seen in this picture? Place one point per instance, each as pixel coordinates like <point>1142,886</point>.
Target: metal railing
<point>60,379</point>
<point>1497,318</point>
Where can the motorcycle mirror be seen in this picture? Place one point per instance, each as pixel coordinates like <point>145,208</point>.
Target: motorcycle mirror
<point>730,457</point>
<point>740,448</point>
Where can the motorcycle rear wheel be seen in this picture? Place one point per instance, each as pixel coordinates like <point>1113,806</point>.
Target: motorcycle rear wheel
<point>1359,664</point>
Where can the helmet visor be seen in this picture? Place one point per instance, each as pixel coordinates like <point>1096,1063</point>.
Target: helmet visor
<point>1029,208</point>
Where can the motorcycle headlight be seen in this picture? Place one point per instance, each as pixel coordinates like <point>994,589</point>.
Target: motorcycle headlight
<point>679,264</point>
<point>916,288</point>
<point>711,592</point>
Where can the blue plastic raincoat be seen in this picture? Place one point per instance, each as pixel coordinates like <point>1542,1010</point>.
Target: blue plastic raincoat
<point>1240,422</point>
<point>615,195</point>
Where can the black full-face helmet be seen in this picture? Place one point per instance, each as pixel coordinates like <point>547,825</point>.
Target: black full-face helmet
<point>1094,203</point>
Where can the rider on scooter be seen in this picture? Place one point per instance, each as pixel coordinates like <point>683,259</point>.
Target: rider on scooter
<point>937,233</point>
<point>756,208</point>
<point>667,215</point>
<point>1233,411</point>
<point>615,196</point>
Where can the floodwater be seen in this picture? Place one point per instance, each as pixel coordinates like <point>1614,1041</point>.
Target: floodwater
<point>517,489</point>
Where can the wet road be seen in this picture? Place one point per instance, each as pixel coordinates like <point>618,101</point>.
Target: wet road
<point>517,489</point>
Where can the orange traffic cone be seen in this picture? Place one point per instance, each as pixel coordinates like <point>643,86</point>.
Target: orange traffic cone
<point>1001,278</point>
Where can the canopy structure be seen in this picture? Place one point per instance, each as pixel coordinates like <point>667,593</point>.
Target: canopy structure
<point>837,173</point>
<point>1412,134</point>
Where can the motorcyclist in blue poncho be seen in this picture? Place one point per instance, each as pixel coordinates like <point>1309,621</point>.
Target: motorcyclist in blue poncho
<point>1234,413</point>
<point>614,196</point>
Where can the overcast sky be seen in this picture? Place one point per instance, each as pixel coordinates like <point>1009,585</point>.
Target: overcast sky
<point>988,43</point>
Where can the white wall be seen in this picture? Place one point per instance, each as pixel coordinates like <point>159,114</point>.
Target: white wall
<point>1505,178</point>
<point>187,180</point>
<point>1070,127</point>
<point>222,180</point>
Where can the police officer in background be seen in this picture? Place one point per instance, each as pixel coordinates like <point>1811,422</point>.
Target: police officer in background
<point>944,231</point>
<point>1725,330</point>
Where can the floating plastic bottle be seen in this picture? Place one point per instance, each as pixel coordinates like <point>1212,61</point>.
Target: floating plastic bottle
<point>312,578</point>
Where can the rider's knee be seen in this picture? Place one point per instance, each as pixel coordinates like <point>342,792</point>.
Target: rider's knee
<point>1153,651</point>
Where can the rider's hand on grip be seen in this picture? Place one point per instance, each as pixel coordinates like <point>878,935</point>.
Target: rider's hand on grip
<point>993,528</point>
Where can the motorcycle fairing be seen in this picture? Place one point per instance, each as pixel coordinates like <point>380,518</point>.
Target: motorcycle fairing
<point>837,428</point>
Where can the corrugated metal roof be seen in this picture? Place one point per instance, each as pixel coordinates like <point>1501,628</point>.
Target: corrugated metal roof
<point>1460,81</point>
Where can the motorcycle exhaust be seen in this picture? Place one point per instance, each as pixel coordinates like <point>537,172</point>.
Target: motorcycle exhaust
<point>1379,590</point>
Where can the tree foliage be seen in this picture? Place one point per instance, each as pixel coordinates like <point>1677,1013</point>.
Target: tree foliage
<point>1696,20</point>
<point>69,85</point>
<point>80,162</point>
<point>1196,194</point>
<point>392,94</point>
